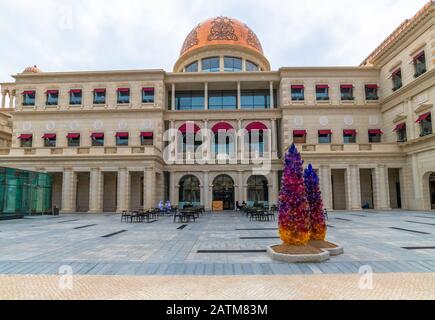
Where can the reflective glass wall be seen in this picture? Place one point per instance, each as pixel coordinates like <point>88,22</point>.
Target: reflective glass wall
<point>24,192</point>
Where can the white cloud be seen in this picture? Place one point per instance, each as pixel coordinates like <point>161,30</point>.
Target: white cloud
<point>63,35</point>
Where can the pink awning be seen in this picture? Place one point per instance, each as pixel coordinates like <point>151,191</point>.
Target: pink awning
<point>349,132</point>
<point>148,89</point>
<point>25,136</point>
<point>322,86</point>
<point>123,89</point>
<point>395,73</point>
<point>97,135</point>
<point>189,128</point>
<point>423,117</point>
<point>28,92</point>
<point>76,91</point>
<point>52,92</point>
<point>418,56</point>
<point>147,134</point>
<point>256,126</point>
<point>375,131</point>
<point>372,86</point>
<point>400,126</point>
<point>298,86</point>
<point>346,86</point>
<point>99,90</point>
<point>121,135</point>
<point>299,133</point>
<point>49,136</point>
<point>73,135</point>
<point>325,132</point>
<point>222,126</point>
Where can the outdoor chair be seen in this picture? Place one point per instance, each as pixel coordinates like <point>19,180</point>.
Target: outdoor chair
<point>125,216</point>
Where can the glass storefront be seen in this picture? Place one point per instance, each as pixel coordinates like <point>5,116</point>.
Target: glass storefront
<point>24,192</point>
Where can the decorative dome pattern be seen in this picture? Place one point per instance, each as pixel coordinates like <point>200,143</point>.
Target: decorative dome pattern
<point>32,69</point>
<point>221,30</point>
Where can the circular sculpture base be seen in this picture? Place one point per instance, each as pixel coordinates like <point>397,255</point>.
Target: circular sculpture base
<point>334,249</point>
<point>321,256</point>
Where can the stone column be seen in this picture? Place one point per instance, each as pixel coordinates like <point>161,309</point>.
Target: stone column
<point>239,96</point>
<point>410,125</point>
<point>206,191</point>
<point>11,99</point>
<point>3,105</point>
<point>68,191</point>
<point>172,189</point>
<point>206,95</point>
<point>326,186</point>
<point>354,185</point>
<point>96,191</point>
<point>173,107</point>
<point>149,187</point>
<point>274,140</point>
<point>273,182</point>
<point>382,194</point>
<point>272,98</point>
<point>123,201</point>
<point>239,195</point>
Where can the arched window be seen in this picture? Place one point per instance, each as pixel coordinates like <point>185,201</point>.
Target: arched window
<point>258,191</point>
<point>224,139</point>
<point>190,191</point>
<point>223,190</point>
<point>256,131</point>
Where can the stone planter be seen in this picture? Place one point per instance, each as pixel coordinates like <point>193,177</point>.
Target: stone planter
<point>295,258</point>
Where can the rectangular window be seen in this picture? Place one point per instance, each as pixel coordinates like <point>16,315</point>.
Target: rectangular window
<point>189,100</point>
<point>371,92</point>
<point>375,135</point>
<point>147,138</point>
<point>193,67</point>
<point>419,64</point>
<point>397,79</point>
<point>298,92</point>
<point>346,91</point>
<point>122,139</point>
<point>322,92</point>
<point>147,95</point>
<point>325,136</point>
<point>52,98</point>
<point>49,140</point>
<point>425,121</point>
<point>100,96</point>
<point>211,64</point>
<point>232,64</point>
<point>73,139</point>
<point>97,139</point>
<point>123,95</point>
<point>299,136</point>
<point>255,99</point>
<point>75,97</point>
<point>26,140</point>
<point>29,98</point>
<point>401,132</point>
<point>349,136</point>
<point>251,66</point>
<point>222,100</point>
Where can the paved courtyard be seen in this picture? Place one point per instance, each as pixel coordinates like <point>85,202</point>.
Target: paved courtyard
<point>388,242</point>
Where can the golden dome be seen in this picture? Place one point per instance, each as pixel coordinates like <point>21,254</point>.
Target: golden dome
<point>221,31</point>
<point>32,69</point>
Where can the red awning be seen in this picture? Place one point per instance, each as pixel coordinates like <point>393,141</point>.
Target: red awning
<point>400,126</point>
<point>395,73</point>
<point>99,90</point>
<point>423,117</point>
<point>346,86</point>
<point>73,135</point>
<point>25,136</point>
<point>298,86</point>
<point>299,133</point>
<point>372,86</point>
<point>121,135</point>
<point>349,132</point>
<point>189,128</point>
<point>147,134</point>
<point>148,89</point>
<point>375,131</point>
<point>322,86</point>
<point>418,56</point>
<point>76,91</point>
<point>123,89</point>
<point>52,91</point>
<point>222,126</point>
<point>256,126</point>
<point>325,132</point>
<point>49,136</point>
<point>28,92</point>
<point>97,135</point>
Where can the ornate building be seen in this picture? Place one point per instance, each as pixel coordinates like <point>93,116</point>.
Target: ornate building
<point>102,135</point>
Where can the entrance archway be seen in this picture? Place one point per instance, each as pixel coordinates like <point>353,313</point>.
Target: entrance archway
<point>432,190</point>
<point>223,190</point>
<point>258,191</point>
<point>190,191</point>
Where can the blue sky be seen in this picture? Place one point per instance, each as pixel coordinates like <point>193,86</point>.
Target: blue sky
<point>73,35</point>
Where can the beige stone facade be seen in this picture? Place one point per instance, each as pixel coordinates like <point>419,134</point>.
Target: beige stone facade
<point>357,174</point>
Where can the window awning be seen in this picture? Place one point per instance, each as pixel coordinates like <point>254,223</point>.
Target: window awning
<point>123,90</point>
<point>346,86</point>
<point>423,117</point>
<point>372,86</point>
<point>49,136</point>
<point>375,131</point>
<point>418,56</point>
<point>52,92</point>
<point>73,135</point>
<point>189,127</point>
<point>99,90</point>
<point>76,91</point>
<point>121,135</point>
<point>325,132</point>
<point>322,86</point>
<point>400,126</point>
<point>298,86</point>
<point>97,135</point>
<point>147,134</point>
<point>148,89</point>
<point>349,132</point>
<point>395,73</point>
<point>299,133</point>
<point>222,126</point>
<point>256,126</point>
<point>25,136</point>
<point>28,92</point>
